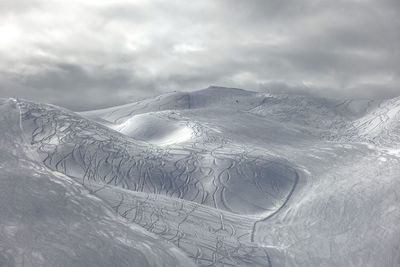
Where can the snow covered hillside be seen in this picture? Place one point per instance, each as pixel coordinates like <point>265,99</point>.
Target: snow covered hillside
<point>216,177</point>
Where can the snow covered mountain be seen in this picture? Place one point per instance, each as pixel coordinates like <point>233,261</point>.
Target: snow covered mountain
<point>216,177</point>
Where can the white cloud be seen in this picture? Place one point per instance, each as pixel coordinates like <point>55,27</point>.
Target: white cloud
<point>187,48</point>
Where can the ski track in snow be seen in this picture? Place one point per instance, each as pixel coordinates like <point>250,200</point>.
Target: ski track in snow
<point>254,180</point>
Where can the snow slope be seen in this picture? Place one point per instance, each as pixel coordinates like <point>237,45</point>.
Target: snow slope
<point>229,177</point>
<point>47,219</point>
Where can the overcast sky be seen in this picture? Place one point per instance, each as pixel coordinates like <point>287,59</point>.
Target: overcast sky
<point>95,53</point>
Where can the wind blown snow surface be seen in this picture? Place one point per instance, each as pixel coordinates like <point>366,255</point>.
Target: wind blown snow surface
<point>217,177</point>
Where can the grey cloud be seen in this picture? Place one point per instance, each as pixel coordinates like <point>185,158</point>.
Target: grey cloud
<point>121,51</point>
<point>79,89</point>
<point>19,6</point>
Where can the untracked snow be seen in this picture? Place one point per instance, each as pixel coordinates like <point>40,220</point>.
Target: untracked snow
<point>154,129</point>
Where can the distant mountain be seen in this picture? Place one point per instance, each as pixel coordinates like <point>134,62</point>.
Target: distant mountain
<point>226,177</point>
